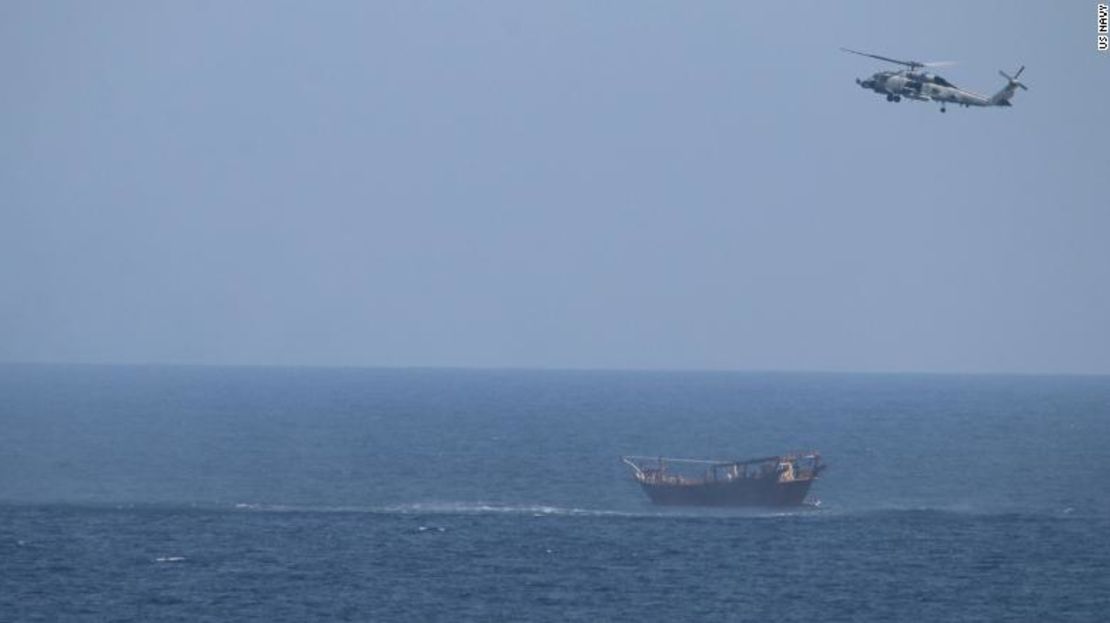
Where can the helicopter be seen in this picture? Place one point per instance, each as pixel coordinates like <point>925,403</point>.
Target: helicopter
<point>923,86</point>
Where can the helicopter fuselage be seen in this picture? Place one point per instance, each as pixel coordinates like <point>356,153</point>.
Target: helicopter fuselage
<point>921,86</point>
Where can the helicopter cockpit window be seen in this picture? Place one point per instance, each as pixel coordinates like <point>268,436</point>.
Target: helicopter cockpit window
<point>941,81</point>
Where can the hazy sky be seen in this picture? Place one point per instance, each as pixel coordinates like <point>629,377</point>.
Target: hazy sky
<point>560,184</point>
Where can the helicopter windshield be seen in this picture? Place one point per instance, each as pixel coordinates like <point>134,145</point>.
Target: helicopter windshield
<point>942,82</point>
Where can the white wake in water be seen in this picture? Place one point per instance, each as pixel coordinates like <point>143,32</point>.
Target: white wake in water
<point>462,508</point>
<point>527,510</point>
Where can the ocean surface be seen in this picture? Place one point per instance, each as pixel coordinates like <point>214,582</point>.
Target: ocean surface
<point>168,493</point>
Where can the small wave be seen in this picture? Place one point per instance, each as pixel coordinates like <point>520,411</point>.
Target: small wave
<point>170,559</point>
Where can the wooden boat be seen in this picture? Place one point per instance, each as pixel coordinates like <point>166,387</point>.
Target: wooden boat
<point>782,480</point>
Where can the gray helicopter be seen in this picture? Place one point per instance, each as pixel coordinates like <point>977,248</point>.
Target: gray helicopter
<point>923,86</point>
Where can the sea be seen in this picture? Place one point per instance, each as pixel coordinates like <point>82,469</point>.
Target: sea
<point>180,493</point>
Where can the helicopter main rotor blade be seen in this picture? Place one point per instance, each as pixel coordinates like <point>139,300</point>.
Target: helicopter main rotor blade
<point>910,64</point>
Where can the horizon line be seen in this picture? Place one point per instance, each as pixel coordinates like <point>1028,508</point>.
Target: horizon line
<point>533,368</point>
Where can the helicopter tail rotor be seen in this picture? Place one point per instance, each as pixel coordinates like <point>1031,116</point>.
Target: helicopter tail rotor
<point>1013,80</point>
<point>1002,98</point>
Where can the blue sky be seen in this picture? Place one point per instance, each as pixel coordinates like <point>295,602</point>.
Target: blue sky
<point>580,184</point>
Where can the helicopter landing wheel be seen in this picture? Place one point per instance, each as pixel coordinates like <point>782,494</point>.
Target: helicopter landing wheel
<point>889,97</point>
<point>897,98</point>
<point>943,109</point>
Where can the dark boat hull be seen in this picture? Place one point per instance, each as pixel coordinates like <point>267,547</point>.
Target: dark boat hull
<point>743,492</point>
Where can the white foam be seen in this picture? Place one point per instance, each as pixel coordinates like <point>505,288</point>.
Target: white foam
<point>535,510</point>
<point>531,510</point>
